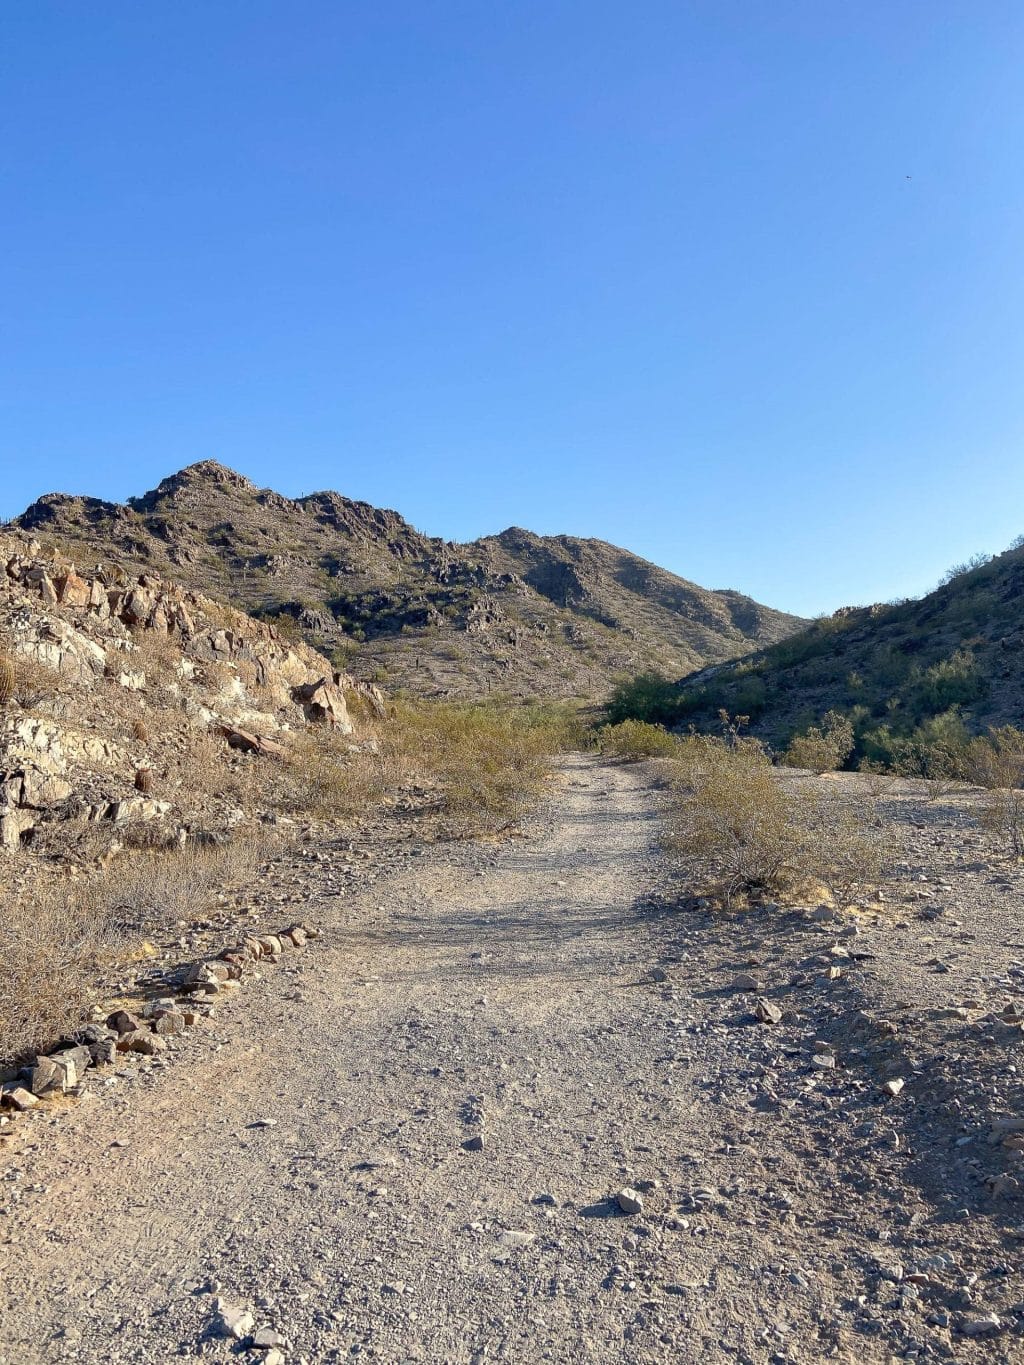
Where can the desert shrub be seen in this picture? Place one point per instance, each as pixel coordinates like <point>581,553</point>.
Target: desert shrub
<point>484,764</point>
<point>953,681</point>
<point>49,943</point>
<point>488,761</point>
<point>740,830</point>
<point>935,750</point>
<point>822,748</point>
<point>331,778</point>
<point>559,727</point>
<point>147,892</point>
<point>976,561</point>
<point>34,681</point>
<point>632,740</point>
<point>647,697</point>
<point>997,759</point>
<point>1003,815</point>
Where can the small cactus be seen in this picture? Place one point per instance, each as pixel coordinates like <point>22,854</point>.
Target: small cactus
<point>144,780</point>
<point>140,730</point>
<point>6,679</point>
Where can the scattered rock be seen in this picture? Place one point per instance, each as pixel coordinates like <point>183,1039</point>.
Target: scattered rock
<point>629,1201</point>
<point>768,1013</point>
<point>233,1322</point>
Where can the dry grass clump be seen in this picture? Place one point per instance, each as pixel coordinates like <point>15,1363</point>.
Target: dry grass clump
<point>332,778</point>
<point>150,891</point>
<point>54,938</point>
<point>156,654</point>
<point>33,681</point>
<point>49,946</point>
<point>741,830</point>
<point>632,740</point>
<point>484,765</point>
<point>6,679</point>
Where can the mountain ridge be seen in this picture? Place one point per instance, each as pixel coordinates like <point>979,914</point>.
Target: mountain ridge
<point>515,612</point>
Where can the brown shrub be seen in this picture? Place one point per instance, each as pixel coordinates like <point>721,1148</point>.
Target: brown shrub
<point>157,654</point>
<point>34,681</point>
<point>740,830</point>
<point>49,946</point>
<point>485,763</point>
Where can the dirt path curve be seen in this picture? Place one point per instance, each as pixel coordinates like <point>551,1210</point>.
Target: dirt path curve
<point>540,993</point>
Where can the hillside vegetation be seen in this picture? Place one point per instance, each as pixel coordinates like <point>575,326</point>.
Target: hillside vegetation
<point>516,614</point>
<point>909,680</point>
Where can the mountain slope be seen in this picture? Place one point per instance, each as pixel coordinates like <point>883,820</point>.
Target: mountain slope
<point>893,668</point>
<point>515,613</point>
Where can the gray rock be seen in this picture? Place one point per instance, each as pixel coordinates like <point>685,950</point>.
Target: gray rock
<point>629,1201</point>
<point>768,1013</point>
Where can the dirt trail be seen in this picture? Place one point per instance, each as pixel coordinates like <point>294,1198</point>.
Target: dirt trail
<point>547,994</point>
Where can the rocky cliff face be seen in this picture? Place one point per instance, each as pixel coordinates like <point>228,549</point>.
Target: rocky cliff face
<point>516,613</point>
<point>135,699</point>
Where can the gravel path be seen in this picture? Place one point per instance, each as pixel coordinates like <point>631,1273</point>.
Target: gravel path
<point>310,1157</point>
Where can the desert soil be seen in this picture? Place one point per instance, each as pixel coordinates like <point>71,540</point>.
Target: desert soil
<point>304,1155</point>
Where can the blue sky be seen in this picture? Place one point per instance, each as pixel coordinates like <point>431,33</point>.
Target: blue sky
<point>651,272</point>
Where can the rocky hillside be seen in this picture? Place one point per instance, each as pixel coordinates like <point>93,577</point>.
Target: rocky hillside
<point>128,701</point>
<point>892,668</point>
<point>515,613</point>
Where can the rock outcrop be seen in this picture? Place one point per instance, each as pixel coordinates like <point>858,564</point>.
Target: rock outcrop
<point>96,654</point>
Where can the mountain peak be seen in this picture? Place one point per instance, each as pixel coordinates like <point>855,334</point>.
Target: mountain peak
<point>518,613</point>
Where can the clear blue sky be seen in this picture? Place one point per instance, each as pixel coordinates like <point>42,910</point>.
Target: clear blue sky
<point>653,271</point>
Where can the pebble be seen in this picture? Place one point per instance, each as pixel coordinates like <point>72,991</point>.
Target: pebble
<point>768,1013</point>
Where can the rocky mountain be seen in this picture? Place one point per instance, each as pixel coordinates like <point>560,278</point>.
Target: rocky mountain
<point>516,613</point>
<point>954,657</point>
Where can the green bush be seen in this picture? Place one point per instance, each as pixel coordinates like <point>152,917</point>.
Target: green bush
<point>823,748</point>
<point>647,697</point>
<point>632,740</point>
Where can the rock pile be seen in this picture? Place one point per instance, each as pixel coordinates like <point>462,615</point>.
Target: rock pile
<point>101,1040</point>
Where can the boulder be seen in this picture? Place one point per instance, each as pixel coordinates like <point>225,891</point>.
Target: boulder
<point>72,591</point>
<point>323,701</point>
<point>121,1021</point>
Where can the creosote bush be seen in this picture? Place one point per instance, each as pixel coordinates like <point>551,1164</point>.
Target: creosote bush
<point>742,830</point>
<point>632,740</point>
<point>822,748</point>
<point>483,765</point>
